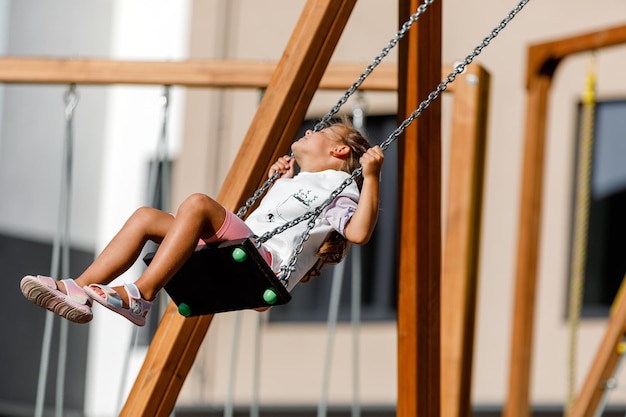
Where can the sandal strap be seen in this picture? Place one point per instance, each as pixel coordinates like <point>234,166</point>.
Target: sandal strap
<point>75,292</point>
<point>110,295</point>
<point>137,305</point>
<point>47,281</point>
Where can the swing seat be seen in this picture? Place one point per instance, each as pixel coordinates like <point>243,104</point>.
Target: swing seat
<point>224,276</point>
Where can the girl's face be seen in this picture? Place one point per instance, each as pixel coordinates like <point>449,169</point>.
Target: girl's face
<point>324,140</point>
<point>319,149</point>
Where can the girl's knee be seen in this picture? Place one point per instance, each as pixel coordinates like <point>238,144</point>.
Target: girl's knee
<point>144,214</point>
<point>145,217</point>
<point>199,202</point>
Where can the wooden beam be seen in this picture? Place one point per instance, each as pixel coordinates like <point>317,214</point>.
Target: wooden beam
<point>543,60</point>
<point>545,56</point>
<point>192,73</point>
<point>459,279</point>
<point>177,340</point>
<point>606,360</point>
<point>420,237</point>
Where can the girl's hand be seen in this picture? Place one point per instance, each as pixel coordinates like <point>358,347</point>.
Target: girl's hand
<point>361,225</point>
<point>372,162</point>
<point>285,166</point>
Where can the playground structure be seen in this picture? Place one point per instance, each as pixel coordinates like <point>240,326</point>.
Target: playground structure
<point>543,60</point>
<point>172,353</point>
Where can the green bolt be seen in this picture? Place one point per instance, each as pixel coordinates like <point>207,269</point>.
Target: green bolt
<point>184,310</point>
<point>270,296</point>
<point>239,255</point>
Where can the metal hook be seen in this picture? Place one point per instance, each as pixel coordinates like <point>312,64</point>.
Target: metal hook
<point>71,100</point>
<point>359,108</point>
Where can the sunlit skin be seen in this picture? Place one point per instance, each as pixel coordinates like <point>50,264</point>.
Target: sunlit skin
<point>199,217</point>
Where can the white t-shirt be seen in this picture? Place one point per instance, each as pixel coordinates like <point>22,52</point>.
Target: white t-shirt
<point>290,198</point>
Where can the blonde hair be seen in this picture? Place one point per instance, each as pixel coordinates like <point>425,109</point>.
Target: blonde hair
<point>335,247</point>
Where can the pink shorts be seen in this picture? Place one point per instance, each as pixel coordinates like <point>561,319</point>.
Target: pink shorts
<point>234,228</point>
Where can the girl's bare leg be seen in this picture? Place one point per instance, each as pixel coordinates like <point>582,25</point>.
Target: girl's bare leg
<point>199,216</point>
<point>123,250</point>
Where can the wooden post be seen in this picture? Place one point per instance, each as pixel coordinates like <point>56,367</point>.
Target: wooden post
<point>459,278</point>
<point>280,113</point>
<point>527,253</point>
<point>419,71</point>
<point>543,60</point>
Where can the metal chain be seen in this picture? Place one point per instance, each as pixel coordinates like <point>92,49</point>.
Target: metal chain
<point>349,92</point>
<point>286,270</point>
<point>406,26</point>
<point>442,86</point>
<point>258,193</point>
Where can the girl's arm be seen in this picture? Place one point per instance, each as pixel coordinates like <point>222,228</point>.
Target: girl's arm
<point>360,227</point>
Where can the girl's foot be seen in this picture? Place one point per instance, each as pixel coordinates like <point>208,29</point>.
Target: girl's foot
<point>68,301</point>
<point>133,307</point>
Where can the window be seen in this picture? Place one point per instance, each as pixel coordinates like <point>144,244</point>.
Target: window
<point>605,263</point>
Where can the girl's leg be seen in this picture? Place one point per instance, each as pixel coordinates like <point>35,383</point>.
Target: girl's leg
<point>198,217</point>
<point>121,253</point>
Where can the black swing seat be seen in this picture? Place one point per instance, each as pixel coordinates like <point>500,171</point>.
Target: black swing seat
<point>224,276</point>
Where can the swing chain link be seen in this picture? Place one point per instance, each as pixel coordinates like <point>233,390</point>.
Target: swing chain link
<point>312,215</point>
<point>286,270</point>
<point>258,193</point>
<point>460,68</point>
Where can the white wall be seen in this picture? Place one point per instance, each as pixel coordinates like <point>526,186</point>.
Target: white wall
<point>116,130</point>
<point>33,121</point>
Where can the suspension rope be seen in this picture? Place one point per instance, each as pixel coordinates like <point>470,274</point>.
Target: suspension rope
<point>158,197</point>
<point>333,313</point>
<point>229,403</point>
<point>312,215</point>
<point>355,317</point>
<point>159,171</point>
<point>60,263</point>
<point>577,278</point>
<point>358,120</point>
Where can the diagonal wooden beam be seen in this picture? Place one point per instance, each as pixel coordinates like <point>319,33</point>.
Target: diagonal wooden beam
<point>279,115</point>
<point>606,361</point>
<point>191,73</point>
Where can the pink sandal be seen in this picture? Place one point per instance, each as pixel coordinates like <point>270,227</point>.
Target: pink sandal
<point>137,308</point>
<point>43,291</point>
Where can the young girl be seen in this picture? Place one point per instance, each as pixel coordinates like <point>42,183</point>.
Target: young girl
<point>326,158</point>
